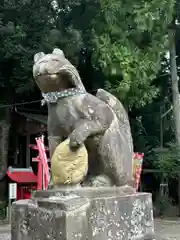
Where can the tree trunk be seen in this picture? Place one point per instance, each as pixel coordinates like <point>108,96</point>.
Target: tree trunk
<point>175,89</point>
<point>5,123</point>
<point>4,137</point>
<point>175,94</point>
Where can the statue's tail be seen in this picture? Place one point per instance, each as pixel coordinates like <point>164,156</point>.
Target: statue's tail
<point>118,109</point>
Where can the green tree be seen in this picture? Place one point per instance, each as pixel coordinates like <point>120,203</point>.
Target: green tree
<point>131,38</point>
<point>24,24</point>
<point>23,28</point>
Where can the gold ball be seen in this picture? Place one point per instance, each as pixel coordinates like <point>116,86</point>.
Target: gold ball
<point>69,167</point>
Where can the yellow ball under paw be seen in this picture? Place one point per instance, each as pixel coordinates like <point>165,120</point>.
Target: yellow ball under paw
<point>69,167</point>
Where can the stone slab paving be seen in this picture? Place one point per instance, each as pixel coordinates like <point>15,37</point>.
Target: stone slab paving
<point>5,232</point>
<point>165,230</point>
<point>5,236</point>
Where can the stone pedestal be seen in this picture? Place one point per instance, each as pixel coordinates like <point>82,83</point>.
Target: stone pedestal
<point>84,214</point>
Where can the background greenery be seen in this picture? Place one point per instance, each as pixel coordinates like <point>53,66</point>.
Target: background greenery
<point>121,45</point>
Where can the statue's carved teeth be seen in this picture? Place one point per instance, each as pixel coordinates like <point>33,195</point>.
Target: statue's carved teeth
<point>53,76</point>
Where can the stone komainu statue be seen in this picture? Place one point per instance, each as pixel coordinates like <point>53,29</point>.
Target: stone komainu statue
<point>100,122</point>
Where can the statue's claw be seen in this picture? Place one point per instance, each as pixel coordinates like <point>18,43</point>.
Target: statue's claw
<point>74,143</point>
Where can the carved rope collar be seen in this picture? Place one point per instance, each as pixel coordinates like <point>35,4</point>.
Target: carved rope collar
<point>53,97</point>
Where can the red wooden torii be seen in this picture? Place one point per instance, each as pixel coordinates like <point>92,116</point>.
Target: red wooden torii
<point>34,147</point>
<point>43,169</point>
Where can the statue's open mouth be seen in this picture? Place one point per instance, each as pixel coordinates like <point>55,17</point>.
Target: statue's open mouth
<point>54,82</point>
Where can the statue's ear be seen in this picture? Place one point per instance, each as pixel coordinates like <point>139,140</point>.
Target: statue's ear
<point>38,56</point>
<point>58,52</point>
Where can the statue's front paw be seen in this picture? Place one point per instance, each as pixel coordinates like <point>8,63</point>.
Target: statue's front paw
<point>75,142</point>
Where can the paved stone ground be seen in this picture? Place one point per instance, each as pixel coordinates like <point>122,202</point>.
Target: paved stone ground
<point>5,232</point>
<point>165,230</point>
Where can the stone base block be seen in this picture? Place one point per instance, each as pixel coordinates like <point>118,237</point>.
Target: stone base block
<point>84,214</point>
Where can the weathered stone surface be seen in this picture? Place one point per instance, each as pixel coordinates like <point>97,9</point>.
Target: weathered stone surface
<point>84,214</point>
<point>100,122</point>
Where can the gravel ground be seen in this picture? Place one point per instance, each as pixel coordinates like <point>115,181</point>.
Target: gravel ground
<point>165,230</point>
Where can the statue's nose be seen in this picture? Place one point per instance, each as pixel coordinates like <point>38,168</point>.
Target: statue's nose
<point>53,67</point>
<point>40,69</point>
<point>46,68</point>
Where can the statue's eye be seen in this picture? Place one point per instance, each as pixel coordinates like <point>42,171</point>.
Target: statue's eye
<point>55,60</point>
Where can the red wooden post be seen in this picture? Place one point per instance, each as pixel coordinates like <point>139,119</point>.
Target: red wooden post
<point>34,147</point>
<point>40,167</point>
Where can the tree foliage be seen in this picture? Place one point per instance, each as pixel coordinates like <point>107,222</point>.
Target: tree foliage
<point>167,159</point>
<point>130,39</point>
<point>23,28</point>
<point>119,41</point>
<point>127,40</point>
